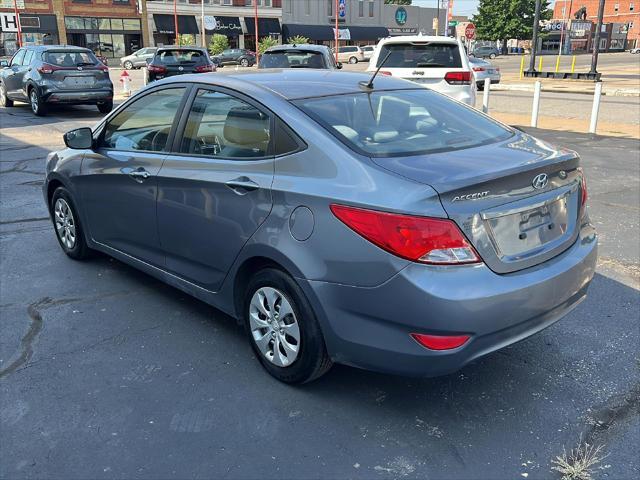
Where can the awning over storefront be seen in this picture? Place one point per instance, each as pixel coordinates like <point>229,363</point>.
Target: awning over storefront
<point>266,26</point>
<point>166,24</point>
<point>325,32</point>
<point>228,26</point>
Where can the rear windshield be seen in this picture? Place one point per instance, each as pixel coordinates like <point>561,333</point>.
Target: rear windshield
<point>70,58</point>
<point>420,55</point>
<point>175,57</point>
<point>293,59</point>
<point>402,122</point>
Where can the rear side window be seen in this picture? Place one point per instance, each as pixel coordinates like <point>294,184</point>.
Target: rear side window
<point>144,124</point>
<point>420,55</point>
<point>178,57</point>
<point>28,57</point>
<point>70,58</point>
<point>402,122</point>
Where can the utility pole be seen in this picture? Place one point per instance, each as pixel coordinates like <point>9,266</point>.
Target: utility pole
<point>204,39</point>
<point>17,13</point>
<point>175,21</point>
<point>534,40</point>
<point>255,25</point>
<point>596,40</point>
<point>336,31</point>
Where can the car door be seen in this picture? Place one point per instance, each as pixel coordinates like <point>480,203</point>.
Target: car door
<point>118,183</point>
<point>214,190</point>
<point>12,75</point>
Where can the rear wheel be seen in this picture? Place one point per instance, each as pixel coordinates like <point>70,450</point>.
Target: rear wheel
<point>105,107</point>
<point>282,328</point>
<point>67,224</point>
<point>4,100</point>
<point>353,60</point>
<point>492,56</point>
<point>38,107</point>
<point>244,62</point>
<point>128,65</point>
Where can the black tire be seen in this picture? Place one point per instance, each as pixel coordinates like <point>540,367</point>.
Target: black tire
<point>480,85</point>
<point>105,107</point>
<point>492,56</point>
<point>244,62</point>
<point>353,60</point>
<point>38,106</point>
<point>312,361</point>
<point>128,65</point>
<point>4,100</point>
<point>79,250</point>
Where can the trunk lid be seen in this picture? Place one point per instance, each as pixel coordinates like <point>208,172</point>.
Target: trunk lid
<point>518,201</point>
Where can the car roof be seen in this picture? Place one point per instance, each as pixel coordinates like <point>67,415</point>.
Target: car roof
<point>298,46</point>
<point>56,48</point>
<point>181,47</point>
<point>419,38</point>
<point>292,84</point>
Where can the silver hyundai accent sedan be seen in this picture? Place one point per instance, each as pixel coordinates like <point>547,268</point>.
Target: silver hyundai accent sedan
<point>375,224</point>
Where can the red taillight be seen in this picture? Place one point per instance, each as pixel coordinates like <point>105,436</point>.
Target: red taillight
<point>420,239</point>
<point>440,342</point>
<point>204,68</point>
<point>103,67</point>
<point>384,72</point>
<point>156,68</point>
<point>47,69</point>
<point>478,69</point>
<point>583,188</point>
<point>497,69</point>
<point>458,78</point>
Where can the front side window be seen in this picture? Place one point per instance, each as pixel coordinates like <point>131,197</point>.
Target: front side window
<point>18,57</point>
<point>223,126</point>
<point>420,55</point>
<point>144,124</point>
<point>402,122</point>
<point>28,57</point>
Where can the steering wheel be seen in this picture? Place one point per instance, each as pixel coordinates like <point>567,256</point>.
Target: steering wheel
<point>159,140</point>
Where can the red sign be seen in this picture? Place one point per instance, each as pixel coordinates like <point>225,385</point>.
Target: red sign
<point>470,31</point>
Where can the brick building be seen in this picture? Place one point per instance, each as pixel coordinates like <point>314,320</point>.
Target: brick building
<point>112,28</point>
<point>625,12</point>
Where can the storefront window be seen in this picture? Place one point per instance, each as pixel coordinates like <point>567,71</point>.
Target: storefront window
<point>91,23</point>
<point>118,45</point>
<point>74,23</point>
<point>104,24</point>
<point>131,24</point>
<point>116,24</point>
<point>93,42</point>
<point>106,44</point>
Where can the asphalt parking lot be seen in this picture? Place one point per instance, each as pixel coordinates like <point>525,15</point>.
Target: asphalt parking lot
<point>108,373</point>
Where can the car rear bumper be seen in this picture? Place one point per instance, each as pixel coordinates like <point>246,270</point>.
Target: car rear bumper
<point>370,327</point>
<point>78,97</point>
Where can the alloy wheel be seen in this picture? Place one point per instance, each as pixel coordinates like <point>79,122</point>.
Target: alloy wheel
<point>3,95</point>
<point>274,326</point>
<point>33,98</point>
<point>128,65</point>
<point>244,62</point>
<point>65,223</point>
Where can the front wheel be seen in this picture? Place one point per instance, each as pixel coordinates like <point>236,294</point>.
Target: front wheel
<point>67,225</point>
<point>4,100</point>
<point>282,328</point>
<point>244,62</point>
<point>105,107</point>
<point>353,60</point>
<point>128,65</point>
<point>492,56</point>
<point>38,107</point>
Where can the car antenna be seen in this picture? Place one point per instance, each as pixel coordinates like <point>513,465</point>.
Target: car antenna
<point>369,85</point>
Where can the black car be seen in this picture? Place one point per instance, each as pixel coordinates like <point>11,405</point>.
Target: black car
<point>485,52</point>
<point>170,61</point>
<point>299,56</point>
<point>54,74</point>
<point>235,56</point>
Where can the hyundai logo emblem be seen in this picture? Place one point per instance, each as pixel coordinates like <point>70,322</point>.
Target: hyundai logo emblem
<point>540,181</point>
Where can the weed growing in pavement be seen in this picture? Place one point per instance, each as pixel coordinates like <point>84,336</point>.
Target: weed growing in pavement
<point>579,462</point>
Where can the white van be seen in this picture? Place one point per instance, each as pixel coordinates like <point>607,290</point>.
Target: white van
<point>439,63</point>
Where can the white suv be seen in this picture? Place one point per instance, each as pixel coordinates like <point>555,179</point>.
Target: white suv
<point>439,63</point>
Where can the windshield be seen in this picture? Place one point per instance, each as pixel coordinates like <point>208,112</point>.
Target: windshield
<point>292,59</point>
<point>402,122</point>
<point>175,57</point>
<point>420,55</point>
<point>70,58</point>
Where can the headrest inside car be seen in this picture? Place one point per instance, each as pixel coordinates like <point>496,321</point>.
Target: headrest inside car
<point>246,126</point>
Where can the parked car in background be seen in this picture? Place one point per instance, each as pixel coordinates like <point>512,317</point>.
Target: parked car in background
<point>170,61</point>
<point>54,74</point>
<point>367,51</point>
<point>635,50</point>
<point>439,63</point>
<point>482,70</point>
<point>4,61</point>
<point>235,56</point>
<point>380,225</point>
<point>485,52</point>
<point>351,54</point>
<point>138,59</point>
<point>298,56</point>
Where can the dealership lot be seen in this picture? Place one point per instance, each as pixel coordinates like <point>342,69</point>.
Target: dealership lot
<point>106,372</point>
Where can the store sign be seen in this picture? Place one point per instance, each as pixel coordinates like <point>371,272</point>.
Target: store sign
<point>401,16</point>
<point>210,22</point>
<point>343,34</point>
<point>29,22</point>
<point>342,8</point>
<point>553,26</point>
<point>8,22</point>
<point>580,29</point>
<point>403,30</point>
<point>10,4</point>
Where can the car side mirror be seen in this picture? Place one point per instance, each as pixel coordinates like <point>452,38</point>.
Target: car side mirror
<point>4,63</point>
<point>79,139</point>
<point>339,66</point>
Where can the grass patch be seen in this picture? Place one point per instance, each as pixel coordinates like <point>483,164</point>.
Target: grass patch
<point>578,464</point>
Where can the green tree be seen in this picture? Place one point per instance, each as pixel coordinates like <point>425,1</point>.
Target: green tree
<point>398,2</point>
<point>505,19</point>
<point>298,40</point>
<point>266,42</point>
<point>218,43</point>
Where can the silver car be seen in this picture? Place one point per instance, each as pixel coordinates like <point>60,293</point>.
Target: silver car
<point>138,59</point>
<point>339,219</point>
<point>483,70</point>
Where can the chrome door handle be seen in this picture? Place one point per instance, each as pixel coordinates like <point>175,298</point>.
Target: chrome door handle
<point>242,185</point>
<point>139,175</point>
